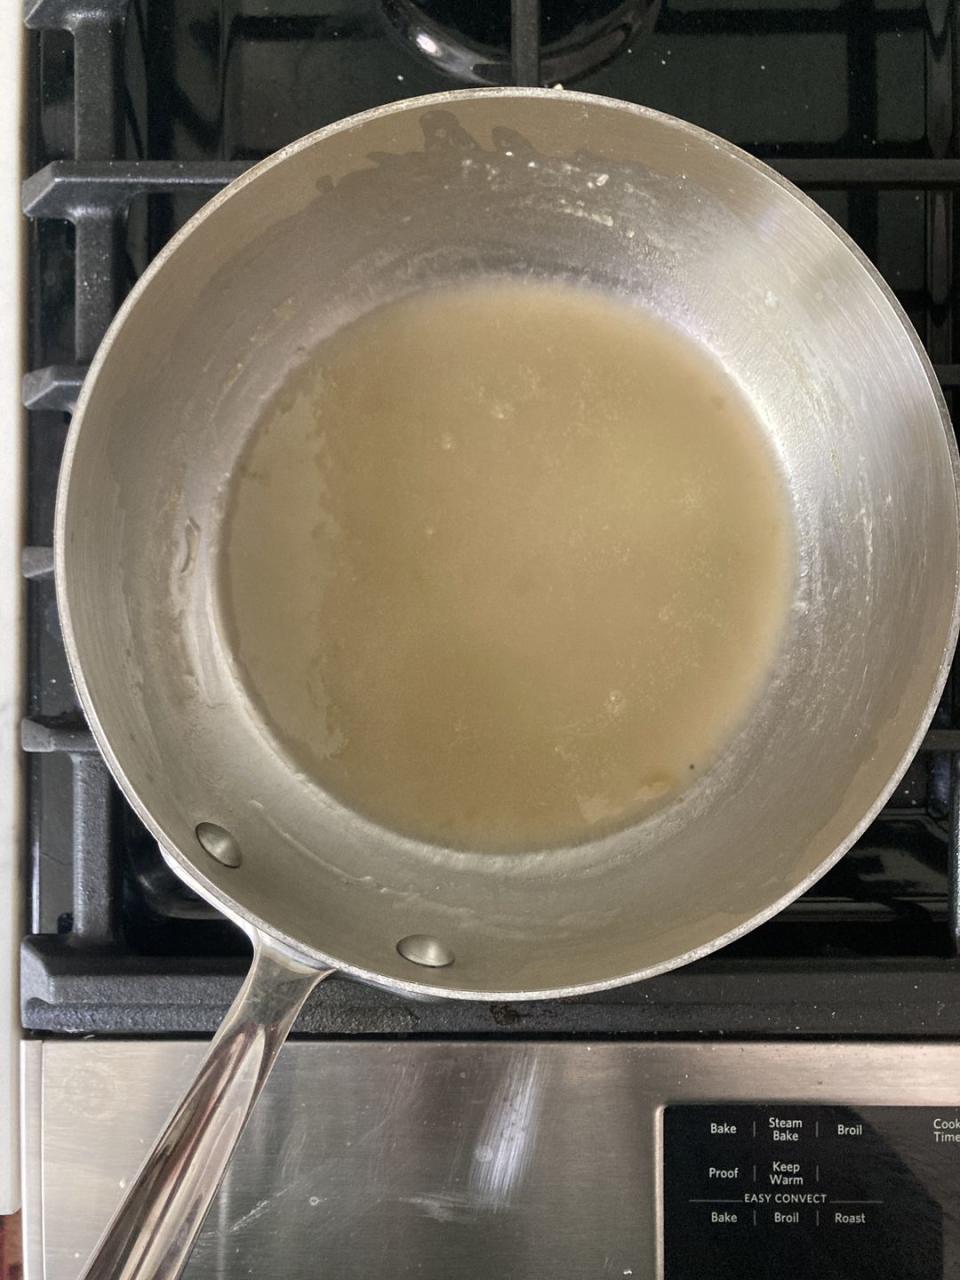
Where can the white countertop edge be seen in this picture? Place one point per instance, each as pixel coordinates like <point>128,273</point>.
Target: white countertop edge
<point>12,480</point>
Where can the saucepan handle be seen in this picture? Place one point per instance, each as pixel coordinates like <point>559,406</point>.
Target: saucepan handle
<point>152,1233</point>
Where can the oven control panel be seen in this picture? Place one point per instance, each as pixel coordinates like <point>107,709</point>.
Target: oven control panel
<point>831,1193</point>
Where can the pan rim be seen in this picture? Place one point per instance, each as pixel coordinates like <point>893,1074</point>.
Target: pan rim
<point>185,866</point>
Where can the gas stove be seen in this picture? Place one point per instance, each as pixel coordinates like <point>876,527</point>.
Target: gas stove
<point>368,1148</point>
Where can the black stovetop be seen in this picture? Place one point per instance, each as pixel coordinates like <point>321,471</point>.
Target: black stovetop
<point>138,112</point>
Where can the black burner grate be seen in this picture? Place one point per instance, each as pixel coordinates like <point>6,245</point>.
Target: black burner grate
<point>140,111</point>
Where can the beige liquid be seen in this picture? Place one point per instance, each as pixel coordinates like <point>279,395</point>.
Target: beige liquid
<point>506,565</point>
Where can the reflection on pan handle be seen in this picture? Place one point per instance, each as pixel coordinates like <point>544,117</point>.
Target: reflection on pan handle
<point>152,1233</point>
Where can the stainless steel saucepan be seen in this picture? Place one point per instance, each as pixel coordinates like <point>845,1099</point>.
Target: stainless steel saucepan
<point>409,196</point>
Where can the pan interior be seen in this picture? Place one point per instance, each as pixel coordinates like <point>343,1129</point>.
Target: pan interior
<point>527,186</point>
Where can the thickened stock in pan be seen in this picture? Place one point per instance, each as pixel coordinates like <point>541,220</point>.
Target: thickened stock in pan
<point>506,564</point>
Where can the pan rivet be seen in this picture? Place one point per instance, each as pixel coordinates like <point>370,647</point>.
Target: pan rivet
<point>219,843</point>
<point>420,948</point>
